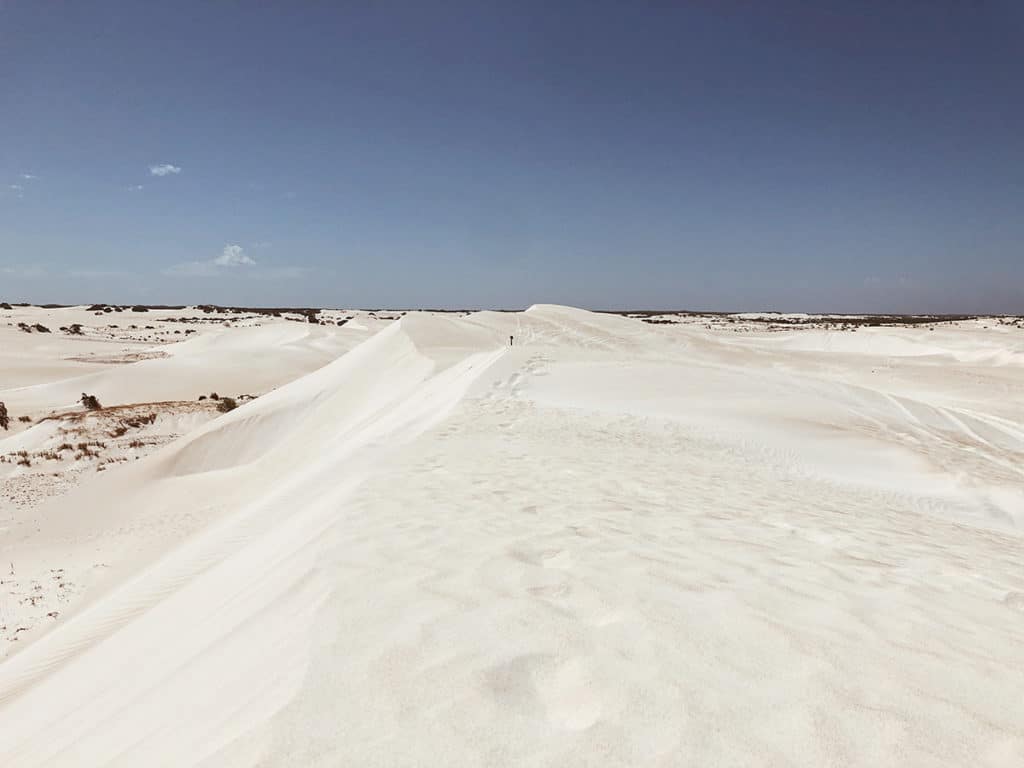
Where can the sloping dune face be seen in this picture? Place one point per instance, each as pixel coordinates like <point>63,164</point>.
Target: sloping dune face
<point>236,360</point>
<point>604,543</point>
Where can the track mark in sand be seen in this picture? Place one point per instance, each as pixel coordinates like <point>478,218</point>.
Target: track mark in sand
<point>510,683</point>
<point>527,571</point>
<point>512,387</point>
<point>549,590</point>
<point>565,691</point>
<point>570,695</point>
<point>1015,600</point>
<point>557,558</point>
<point>537,366</point>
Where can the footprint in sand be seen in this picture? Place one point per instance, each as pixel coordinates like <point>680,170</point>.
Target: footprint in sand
<point>570,694</point>
<point>566,691</point>
<point>557,558</point>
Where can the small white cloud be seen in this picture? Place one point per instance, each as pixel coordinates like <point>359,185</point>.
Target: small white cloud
<point>261,244</point>
<point>233,256</point>
<point>135,188</point>
<point>165,169</point>
<point>18,190</point>
<point>29,176</point>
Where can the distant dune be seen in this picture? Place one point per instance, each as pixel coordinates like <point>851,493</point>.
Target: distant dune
<point>549,538</point>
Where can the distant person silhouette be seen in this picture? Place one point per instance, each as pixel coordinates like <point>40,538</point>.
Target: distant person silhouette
<point>510,341</point>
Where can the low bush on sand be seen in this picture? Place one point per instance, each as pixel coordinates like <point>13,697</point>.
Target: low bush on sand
<point>136,422</point>
<point>90,402</point>
<point>132,422</point>
<point>5,420</point>
<point>226,404</point>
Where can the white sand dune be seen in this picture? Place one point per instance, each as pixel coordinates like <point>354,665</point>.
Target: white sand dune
<point>50,371</point>
<point>612,543</point>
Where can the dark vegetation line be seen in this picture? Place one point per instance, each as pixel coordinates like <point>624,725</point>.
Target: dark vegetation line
<point>853,318</point>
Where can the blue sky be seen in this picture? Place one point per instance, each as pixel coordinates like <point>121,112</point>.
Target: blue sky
<point>862,156</point>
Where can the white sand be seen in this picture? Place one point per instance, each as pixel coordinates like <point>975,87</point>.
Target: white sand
<point>615,543</point>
